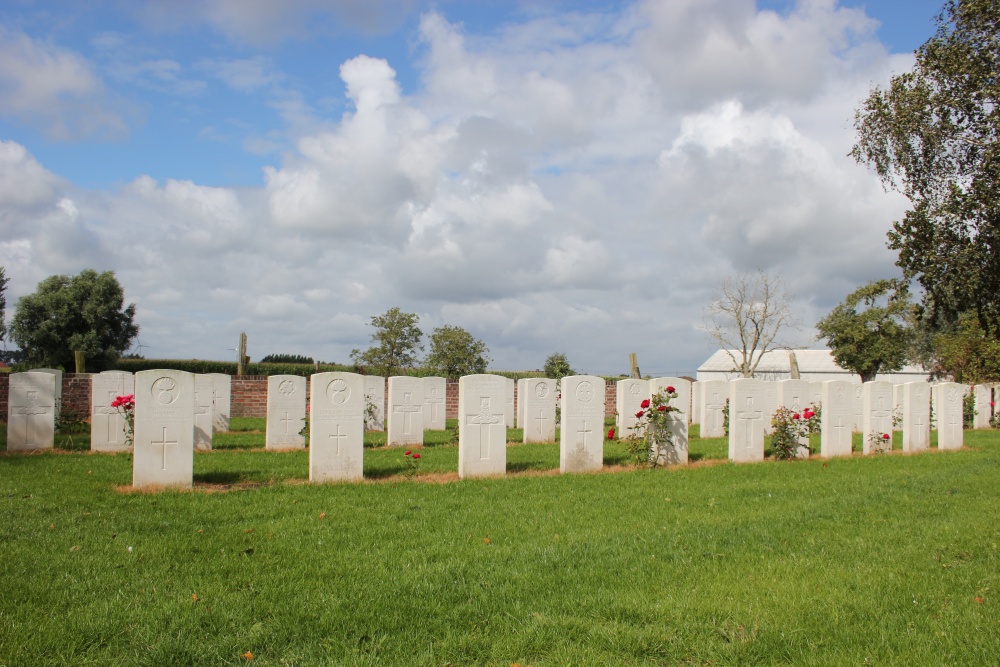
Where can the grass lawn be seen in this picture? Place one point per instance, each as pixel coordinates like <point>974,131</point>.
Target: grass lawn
<point>882,560</point>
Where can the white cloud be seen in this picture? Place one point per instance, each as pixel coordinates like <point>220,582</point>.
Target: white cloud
<point>54,89</point>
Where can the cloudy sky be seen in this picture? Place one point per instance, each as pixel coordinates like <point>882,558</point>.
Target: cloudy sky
<point>551,176</point>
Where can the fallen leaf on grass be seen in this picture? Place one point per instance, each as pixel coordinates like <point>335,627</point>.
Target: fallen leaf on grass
<point>248,655</point>
<point>52,526</point>
<point>980,600</point>
<point>194,597</point>
<point>200,530</point>
<point>322,515</point>
<point>76,547</point>
<point>486,540</point>
<point>248,530</point>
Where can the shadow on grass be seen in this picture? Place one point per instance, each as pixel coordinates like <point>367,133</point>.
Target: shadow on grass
<point>220,477</point>
<point>384,471</point>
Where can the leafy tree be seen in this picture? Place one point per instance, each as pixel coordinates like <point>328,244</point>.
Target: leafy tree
<point>454,353</point>
<point>933,135</point>
<point>3,304</point>
<point>396,343</point>
<point>967,354</point>
<point>874,338</point>
<point>746,316</point>
<point>286,359</point>
<point>557,366</point>
<point>67,314</point>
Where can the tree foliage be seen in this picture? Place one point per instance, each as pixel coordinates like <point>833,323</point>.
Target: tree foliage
<point>557,366</point>
<point>874,338</point>
<point>454,353</point>
<point>286,359</point>
<point>79,313</point>
<point>932,134</point>
<point>967,354</point>
<point>746,317</point>
<point>396,344</point>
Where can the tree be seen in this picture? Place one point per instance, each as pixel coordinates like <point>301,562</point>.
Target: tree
<point>746,315</point>
<point>872,339</point>
<point>79,313</point>
<point>454,353</point>
<point>966,354</point>
<point>557,366</point>
<point>396,343</point>
<point>3,304</point>
<point>286,359</point>
<point>933,135</point>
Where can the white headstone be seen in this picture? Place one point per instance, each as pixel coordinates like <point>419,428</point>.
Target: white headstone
<point>816,394</point>
<point>794,395</point>
<point>696,396</point>
<point>434,403</point>
<point>746,420</point>
<point>519,403</point>
<point>107,425</point>
<point>405,413</point>
<point>538,418</point>
<point>713,404</point>
<point>286,412</point>
<point>336,427</point>
<point>164,429</point>
<point>375,398</point>
<point>876,413</point>
<point>204,415</point>
<point>837,418</point>
<point>482,436</point>
<point>508,412</point>
<point>770,403</point>
<point>678,422</point>
<point>629,395</point>
<point>31,411</point>
<point>222,393</point>
<point>983,396</point>
<point>581,424</point>
<point>916,416</point>
<point>59,385</point>
<point>857,422</point>
<point>949,417</point>
<point>897,406</point>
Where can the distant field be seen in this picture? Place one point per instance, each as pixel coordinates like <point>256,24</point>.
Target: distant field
<point>883,560</point>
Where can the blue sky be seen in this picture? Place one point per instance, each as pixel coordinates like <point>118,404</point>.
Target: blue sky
<point>558,176</point>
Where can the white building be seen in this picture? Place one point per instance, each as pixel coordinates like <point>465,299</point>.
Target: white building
<point>814,366</point>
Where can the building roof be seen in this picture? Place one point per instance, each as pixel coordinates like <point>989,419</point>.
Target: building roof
<point>777,361</point>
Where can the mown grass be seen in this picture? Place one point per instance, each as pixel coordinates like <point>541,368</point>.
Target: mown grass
<point>885,560</point>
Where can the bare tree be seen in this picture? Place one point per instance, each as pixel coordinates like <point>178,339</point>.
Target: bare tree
<point>746,315</point>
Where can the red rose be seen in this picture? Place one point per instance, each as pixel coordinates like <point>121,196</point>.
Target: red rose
<point>644,404</point>
<point>406,453</point>
<point>611,434</point>
<point>809,414</point>
<point>796,416</point>
<point>662,408</point>
<point>885,436</point>
<point>670,390</point>
<point>416,456</point>
<point>640,414</point>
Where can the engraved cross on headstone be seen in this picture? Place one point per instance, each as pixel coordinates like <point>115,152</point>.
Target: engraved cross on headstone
<point>436,403</point>
<point>751,416</point>
<point>30,409</point>
<point>163,444</point>
<point>541,419</point>
<point>338,436</point>
<point>483,419</point>
<point>583,433</point>
<point>881,414</point>
<point>407,408</point>
<point>715,409</point>
<point>286,421</point>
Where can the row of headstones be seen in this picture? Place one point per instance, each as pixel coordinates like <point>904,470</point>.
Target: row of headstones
<point>164,423</point>
<point>708,397</point>
<point>749,412</point>
<point>35,397</point>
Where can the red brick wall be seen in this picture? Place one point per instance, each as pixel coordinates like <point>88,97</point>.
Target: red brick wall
<point>249,395</point>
